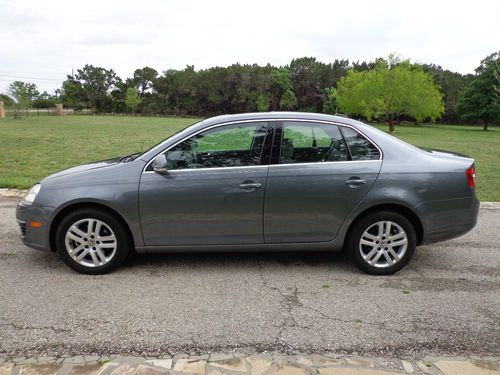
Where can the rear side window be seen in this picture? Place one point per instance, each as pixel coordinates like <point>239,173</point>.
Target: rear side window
<point>359,147</point>
<point>309,142</point>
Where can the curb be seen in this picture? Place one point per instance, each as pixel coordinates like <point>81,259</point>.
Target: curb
<point>490,205</point>
<point>239,364</point>
<point>13,193</point>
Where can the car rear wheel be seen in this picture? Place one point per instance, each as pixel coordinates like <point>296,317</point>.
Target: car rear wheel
<point>92,241</point>
<point>382,243</point>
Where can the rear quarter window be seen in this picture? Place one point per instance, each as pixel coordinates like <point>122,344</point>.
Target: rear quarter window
<point>360,147</point>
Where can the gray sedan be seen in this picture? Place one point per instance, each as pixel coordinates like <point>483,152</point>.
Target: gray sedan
<point>260,181</point>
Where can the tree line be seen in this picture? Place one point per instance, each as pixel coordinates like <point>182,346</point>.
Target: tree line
<point>387,89</point>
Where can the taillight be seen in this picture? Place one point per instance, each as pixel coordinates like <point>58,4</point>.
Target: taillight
<point>471,176</point>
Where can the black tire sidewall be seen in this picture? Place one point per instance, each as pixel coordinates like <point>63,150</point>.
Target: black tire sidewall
<point>123,241</point>
<point>367,221</point>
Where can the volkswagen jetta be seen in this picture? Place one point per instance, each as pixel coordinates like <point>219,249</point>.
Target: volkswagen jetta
<point>260,181</point>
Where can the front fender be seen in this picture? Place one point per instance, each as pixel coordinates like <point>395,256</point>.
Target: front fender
<point>116,188</point>
<point>128,215</point>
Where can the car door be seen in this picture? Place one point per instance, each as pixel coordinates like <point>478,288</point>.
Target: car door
<point>318,173</point>
<point>213,191</point>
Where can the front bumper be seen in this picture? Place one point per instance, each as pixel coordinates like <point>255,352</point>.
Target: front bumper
<point>34,237</point>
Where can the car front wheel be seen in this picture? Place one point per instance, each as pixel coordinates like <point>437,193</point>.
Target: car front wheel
<point>92,241</point>
<point>382,243</point>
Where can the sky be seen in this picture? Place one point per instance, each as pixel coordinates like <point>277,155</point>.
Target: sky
<point>41,42</point>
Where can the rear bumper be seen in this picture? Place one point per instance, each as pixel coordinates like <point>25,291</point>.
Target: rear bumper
<point>447,219</point>
<point>34,237</point>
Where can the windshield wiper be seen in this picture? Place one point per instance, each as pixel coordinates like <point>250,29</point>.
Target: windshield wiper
<point>129,157</point>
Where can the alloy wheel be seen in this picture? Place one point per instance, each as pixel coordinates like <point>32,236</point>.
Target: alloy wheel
<point>90,242</point>
<point>383,244</point>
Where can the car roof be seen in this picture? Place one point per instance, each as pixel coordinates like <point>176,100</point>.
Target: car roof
<point>278,115</point>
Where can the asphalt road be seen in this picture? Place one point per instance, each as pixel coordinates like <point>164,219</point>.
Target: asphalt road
<point>447,301</point>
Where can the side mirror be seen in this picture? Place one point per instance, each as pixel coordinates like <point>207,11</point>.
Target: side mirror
<point>160,164</point>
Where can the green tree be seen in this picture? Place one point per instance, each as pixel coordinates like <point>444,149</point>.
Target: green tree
<point>7,100</point>
<point>132,99</point>
<point>44,100</point>
<point>391,89</point>
<point>330,105</point>
<point>306,73</point>
<point>288,100</point>
<point>92,86</point>
<point>23,92</point>
<point>280,82</point>
<point>451,85</point>
<point>177,90</point>
<point>261,103</point>
<point>480,100</point>
<point>305,84</point>
<point>210,93</point>
<point>143,79</point>
<point>310,79</point>
<point>73,94</point>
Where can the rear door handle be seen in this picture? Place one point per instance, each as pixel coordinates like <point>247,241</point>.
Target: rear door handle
<point>355,181</point>
<point>249,185</point>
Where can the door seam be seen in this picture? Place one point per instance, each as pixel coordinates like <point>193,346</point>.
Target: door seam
<point>273,124</point>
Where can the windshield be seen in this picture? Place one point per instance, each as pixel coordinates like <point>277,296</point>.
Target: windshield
<point>170,136</point>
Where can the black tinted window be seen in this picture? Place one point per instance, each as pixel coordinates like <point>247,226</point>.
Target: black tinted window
<point>226,146</point>
<point>304,142</point>
<point>359,146</point>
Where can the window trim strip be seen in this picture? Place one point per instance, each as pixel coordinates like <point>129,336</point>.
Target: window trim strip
<point>270,122</point>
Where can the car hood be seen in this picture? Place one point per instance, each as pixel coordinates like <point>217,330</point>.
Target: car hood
<point>84,168</point>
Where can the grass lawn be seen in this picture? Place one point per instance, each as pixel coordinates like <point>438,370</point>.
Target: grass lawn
<point>472,141</point>
<point>34,147</point>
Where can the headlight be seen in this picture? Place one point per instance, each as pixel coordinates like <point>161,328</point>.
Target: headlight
<point>32,193</point>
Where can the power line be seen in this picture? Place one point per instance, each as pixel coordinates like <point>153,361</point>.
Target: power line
<point>27,77</point>
<point>33,80</point>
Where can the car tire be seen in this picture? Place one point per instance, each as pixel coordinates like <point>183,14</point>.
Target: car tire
<point>92,241</point>
<point>381,243</point>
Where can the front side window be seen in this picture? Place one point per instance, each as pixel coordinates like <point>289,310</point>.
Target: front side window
<point>359,146</point>
<point>235,145</point>
<point>304,142</point>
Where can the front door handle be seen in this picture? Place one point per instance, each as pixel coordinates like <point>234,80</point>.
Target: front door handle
<point>355,181</point>
<point>249,185</point>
